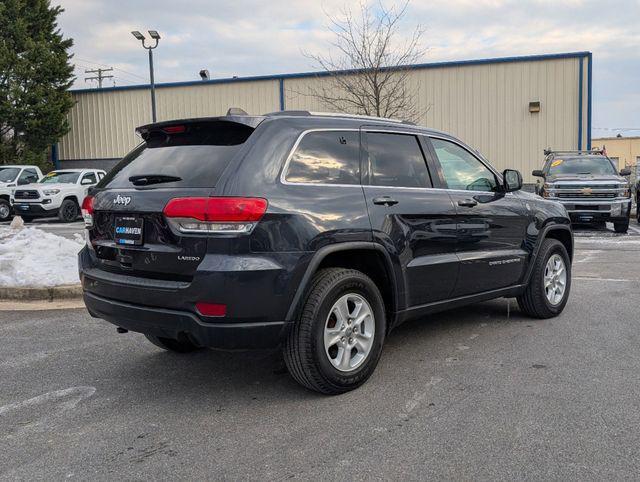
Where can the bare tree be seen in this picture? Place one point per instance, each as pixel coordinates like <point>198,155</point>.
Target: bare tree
<point>370,73</point>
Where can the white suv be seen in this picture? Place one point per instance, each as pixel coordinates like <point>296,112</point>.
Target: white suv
<point>10,178</point>
<point>59,193</point>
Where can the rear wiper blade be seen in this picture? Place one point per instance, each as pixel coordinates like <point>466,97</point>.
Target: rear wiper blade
<point>146,179</point>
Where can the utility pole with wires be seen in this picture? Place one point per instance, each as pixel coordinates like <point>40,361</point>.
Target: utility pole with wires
<point>100,75</point>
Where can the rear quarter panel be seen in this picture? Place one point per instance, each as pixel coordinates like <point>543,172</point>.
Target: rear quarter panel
<point>300,218</point>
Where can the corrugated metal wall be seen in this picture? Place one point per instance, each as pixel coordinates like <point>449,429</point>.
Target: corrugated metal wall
<point>103,122</point>
<point>486,105</point>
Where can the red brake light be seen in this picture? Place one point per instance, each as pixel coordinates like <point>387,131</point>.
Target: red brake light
<point>87,211</point>
<point>211,309</point>
<point>217,209</point>
<point>174,129</point>
<point>87,205</point>
<point>215,214</point>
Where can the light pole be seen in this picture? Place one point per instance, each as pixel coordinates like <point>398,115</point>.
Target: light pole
<point>154,36</point>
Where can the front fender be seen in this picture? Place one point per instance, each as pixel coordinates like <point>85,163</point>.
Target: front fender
<point>540,236</point>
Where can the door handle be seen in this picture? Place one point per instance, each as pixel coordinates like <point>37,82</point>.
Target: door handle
<point>384,201</point>
<point>468,203</point>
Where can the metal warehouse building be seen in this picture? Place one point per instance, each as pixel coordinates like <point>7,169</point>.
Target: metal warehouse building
<point>510,109</point>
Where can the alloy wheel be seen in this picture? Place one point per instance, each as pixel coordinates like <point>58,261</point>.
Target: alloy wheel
<point>349,332</point>
<point>555,279</point>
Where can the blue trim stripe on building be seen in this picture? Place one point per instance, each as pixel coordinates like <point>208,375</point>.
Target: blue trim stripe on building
<point>433,65</point>
<point>590,97</point>
<point>54,156</point>
<point>281,90</point>
<point>581,74</point>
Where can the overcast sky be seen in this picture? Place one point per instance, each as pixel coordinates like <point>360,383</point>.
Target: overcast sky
<point>255,37</point>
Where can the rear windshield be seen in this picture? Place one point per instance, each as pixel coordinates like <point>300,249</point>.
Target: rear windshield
<point>594,165</point>
<point>193,158</point>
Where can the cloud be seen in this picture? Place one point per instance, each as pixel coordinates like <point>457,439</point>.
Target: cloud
<point>254,37</point>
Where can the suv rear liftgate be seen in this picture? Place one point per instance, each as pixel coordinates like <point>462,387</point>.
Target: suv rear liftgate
<point>153,220</point>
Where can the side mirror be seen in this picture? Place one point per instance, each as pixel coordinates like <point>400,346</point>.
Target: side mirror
<point>537,173</point>
<point>512,180</point>
<point>86,181</point>
<point>625,172</point>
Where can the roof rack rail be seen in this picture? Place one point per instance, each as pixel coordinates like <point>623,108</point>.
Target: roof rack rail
<point>288,113</point>
<point>336,114</point>
<point>549,151</point>
<point>355,116</point>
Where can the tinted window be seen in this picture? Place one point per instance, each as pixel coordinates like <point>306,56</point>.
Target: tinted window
<point>396,160</point>
<point>91,177</point>
<point>197,155</point>
<point>582,165</point>
<point>28,176</point>
<point>328,157</point>
<point>462,170</point>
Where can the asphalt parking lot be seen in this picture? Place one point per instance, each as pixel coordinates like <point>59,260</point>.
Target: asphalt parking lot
<point>480,392</point>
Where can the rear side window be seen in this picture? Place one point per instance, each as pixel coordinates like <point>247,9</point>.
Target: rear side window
<point>193,155</point>
<point>396,160</point>
<point>89,178</point>
<point>326,157</point>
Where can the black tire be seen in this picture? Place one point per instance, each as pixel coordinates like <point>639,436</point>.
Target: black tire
<point>169,344</point>
<point>5,210</point>
<point>304,351</point>
<point>621,227</point>
<point>68,211</point>
<point>533,301</point>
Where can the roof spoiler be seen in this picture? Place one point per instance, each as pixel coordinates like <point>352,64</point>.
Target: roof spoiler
<point>247,120</point>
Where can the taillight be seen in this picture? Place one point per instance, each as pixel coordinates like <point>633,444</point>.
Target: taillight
<point>87,211</point>
<point>211,309</point>
<point>215,214</point>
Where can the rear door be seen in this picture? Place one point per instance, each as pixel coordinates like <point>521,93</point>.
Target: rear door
<point>130,233</point>
<point>491,225</point>
<point>413,221</point>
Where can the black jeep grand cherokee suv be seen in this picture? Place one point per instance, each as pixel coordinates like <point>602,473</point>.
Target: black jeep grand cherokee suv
<point>319,233</point>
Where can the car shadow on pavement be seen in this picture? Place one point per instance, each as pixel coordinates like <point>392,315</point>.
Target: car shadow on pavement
<point>213,376</point>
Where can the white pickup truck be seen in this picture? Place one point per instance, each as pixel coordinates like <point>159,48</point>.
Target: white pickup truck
<point>12,176</point>
<point>59,193</point>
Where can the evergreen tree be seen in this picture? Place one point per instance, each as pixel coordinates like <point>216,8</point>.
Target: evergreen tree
<point>35,75</point>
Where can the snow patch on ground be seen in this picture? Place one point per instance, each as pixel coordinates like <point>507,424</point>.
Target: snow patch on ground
<point>30,257</point>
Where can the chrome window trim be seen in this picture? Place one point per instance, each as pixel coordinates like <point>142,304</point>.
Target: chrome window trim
<point>285,168</point>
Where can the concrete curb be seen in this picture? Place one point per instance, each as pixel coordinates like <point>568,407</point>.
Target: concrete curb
<point>55,293</point>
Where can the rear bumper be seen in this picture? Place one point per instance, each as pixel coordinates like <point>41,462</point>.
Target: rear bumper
<point>172,324</point>
<point>256,293</point>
